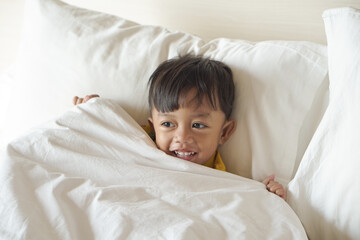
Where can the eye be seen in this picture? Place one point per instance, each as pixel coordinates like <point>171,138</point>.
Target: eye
<point>167,124</point>
<point>199,125</point>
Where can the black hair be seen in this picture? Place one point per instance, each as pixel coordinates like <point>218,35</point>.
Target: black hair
<point>174,78</point>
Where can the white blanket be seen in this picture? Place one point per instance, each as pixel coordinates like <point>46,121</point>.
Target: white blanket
<point>95,174</point>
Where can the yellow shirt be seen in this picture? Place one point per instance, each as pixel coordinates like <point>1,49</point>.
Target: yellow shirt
<point>215,161</point>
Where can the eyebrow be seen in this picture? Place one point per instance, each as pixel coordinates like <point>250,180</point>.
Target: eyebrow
<point>201,115</point>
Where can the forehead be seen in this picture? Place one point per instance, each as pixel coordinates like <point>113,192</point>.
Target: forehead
<point>203,113</point>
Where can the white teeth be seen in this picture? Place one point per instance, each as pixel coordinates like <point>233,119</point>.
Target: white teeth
<point>184,154</point>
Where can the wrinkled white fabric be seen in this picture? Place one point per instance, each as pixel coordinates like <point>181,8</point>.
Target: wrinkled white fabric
<point>325,192</point>
<point>94,173</point>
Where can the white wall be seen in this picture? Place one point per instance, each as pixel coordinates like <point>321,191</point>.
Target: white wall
<point>11,17</point>
<point>243,19</point>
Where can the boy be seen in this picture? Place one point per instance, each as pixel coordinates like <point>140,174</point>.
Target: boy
<point>190,100</point>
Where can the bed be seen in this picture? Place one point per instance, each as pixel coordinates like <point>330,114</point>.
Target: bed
<point>91,172</point>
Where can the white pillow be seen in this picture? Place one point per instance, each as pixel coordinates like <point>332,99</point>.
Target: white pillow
<point>69,51</point>
<point>325,192</point>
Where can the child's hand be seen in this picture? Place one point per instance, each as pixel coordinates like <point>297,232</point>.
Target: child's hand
<point>274,187</point>
<point>77,100</point>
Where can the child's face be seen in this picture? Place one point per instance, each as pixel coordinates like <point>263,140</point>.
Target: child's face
<point>191,133</point>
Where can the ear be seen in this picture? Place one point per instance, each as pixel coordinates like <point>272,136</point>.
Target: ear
<point>150,121</point>
<point>150,130</point>
<point>228,129</point>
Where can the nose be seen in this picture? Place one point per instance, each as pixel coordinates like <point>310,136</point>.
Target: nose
<point>183,135</point>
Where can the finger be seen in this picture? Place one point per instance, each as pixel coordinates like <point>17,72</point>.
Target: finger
<point>88,97</point>
<point>281,193</point>
<point>75,100</point>
<point>277,188</point>
<point>268,179</point>
<point>284,196</point>
<point>79,101</point>
<point>273,186</point>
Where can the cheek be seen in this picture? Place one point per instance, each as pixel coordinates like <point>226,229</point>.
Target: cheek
<point>162,141</point>
<point>213,145</point>
<point>209,141</point>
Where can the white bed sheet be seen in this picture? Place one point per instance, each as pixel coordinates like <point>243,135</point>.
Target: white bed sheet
<point>93,173</point>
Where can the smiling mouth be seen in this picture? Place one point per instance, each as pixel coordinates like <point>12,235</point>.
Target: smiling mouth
<point>185,155</point>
